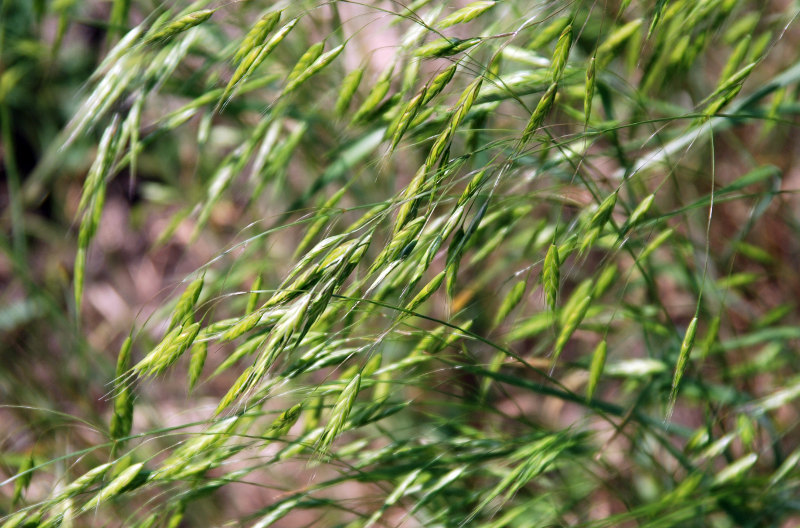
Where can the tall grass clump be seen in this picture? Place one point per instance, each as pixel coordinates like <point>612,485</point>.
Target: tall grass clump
<point>440,264</point>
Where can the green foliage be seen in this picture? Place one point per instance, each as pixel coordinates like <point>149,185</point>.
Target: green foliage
<point>445,264</point>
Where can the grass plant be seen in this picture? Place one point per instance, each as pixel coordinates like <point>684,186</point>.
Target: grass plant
<point>360,264</point>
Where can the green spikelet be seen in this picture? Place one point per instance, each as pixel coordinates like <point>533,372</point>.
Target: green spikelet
<point>561,54</point>
<point>180,25</point>
<point>680,366</point>
<point>257,34</point>
<point>539,113</point>
<point>572,320</point>
<point>438,83</point>
<point>348,90</point>
<point>589,91</point>
<point>197,361</point>
<point>551,276</point>
<point>186,303</point>
<point>596,368</point>
<point>510,301</point>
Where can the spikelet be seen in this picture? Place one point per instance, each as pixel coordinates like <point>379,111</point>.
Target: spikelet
<point>197,361</point>
<point>175,343</point>
<point>321,62</point>
<point>83,482</point>
<point>122,419</point>
<point>547,34</point>
<point>239,387</point>
<point>184,460</point>
<point>659,9</point>
<point>596,368</point>
<point>467,13</point>
<point>253,60</point>
<point>445,47</point>
<point>605,52</point>
<point>464,104</point>
<point>243,326</point>
<point>186,303</point>
<point>573,319</point>
<point>305,60</point>
<point>284,422</point>
<point>561,54</point>
<point>551,276</point>
<point>680,366</point>
<point>510,301</point>
<point>375,96</point>
<point>339,413</point>
<point>736,58</point>
<point>428,290</point>
<point>180,25</point>
<point>316,227</point>
<point>348,90</point>
<point>655,243</point>
<point>605,280</point>
<point>640,211</point>
<point>539,113</point>
<point>257,34</point>
<point>438,83</point>
<point>710,337</point>
<point>404,119</point>
<point>247,348</point>
<point>589,90</point>
<point>114,487</point>
<point>604,210</point>
<point>23,479</point>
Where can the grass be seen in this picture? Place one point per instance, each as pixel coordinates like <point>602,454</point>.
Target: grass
<point>373,264</point>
